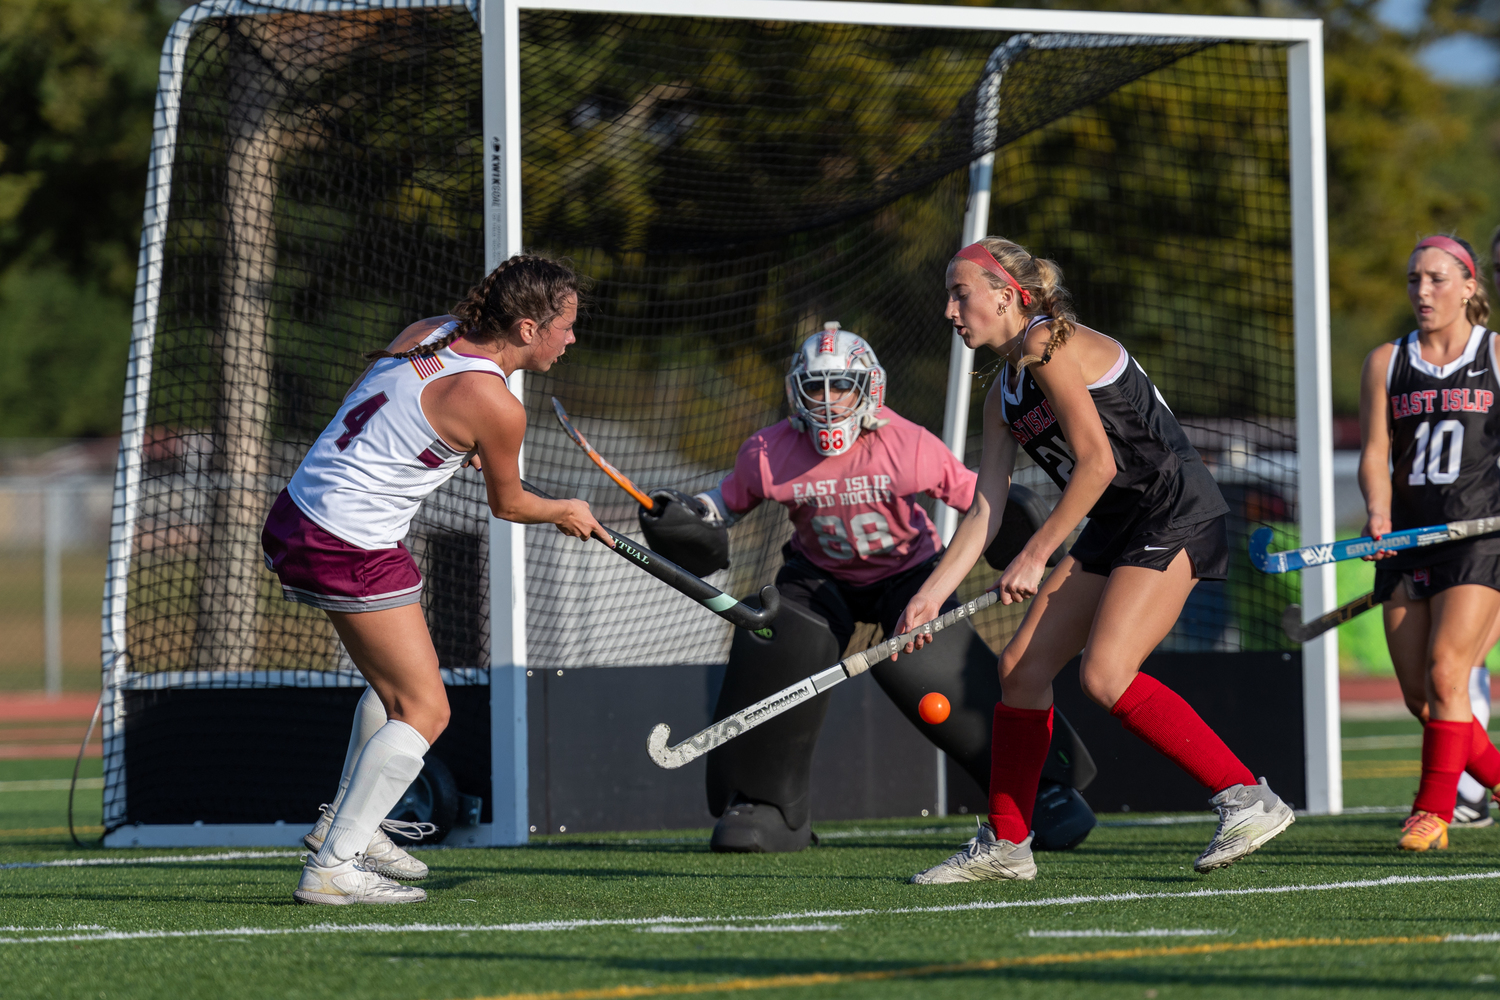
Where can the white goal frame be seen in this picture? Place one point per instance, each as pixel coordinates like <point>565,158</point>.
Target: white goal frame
<point>499,23</point>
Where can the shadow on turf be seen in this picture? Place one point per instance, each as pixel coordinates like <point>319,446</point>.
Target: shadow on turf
<point>1240,978</point>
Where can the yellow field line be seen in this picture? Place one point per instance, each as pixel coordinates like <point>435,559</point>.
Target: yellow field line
<point>1382,769</point>
<point>985,965</point>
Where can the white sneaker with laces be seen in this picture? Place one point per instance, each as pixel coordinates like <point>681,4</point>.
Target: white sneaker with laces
<point>382,852</point>
<point>983,859</point>
<point>1249,815</point>
<point>352,881</point>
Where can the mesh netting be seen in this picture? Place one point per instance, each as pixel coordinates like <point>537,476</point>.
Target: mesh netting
<point>728,186</point>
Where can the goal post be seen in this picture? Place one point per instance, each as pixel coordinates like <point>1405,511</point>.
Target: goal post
<point>325,170</point>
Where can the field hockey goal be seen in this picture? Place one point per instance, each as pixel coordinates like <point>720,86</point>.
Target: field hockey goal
<point>324,172</point>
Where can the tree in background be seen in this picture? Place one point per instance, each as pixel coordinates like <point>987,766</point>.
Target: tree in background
<point>79,79</point>
<point>1407,156</point>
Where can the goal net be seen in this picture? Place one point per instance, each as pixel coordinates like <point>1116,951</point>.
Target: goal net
<point>728,186</point>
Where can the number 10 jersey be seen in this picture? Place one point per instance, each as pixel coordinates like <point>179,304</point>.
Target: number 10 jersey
<point>1445,440</point>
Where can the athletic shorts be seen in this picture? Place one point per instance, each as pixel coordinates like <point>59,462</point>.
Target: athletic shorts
<point>1423,582</point>
<point>327,572</point>
<point>1150,542</point>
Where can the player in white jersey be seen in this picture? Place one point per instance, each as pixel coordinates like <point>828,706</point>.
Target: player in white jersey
<point>432,401</point>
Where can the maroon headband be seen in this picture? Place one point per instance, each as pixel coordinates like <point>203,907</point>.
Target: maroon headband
<point>1452,246</point>
<point>975,253</point>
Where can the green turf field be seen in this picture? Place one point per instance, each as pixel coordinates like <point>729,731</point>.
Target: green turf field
<point>657,914</point>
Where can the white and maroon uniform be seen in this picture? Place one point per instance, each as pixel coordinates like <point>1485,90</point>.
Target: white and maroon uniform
<point>334,535</point>
<point>854,514</point>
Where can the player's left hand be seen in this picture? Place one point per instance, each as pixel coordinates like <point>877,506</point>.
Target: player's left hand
<point>920,611</point>
<point>1022,577</point>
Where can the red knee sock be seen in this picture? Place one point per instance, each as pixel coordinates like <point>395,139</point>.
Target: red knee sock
<point>1484,759</point>
<point>1018,750</point>
<point>1445,751</point>
<point>1158,715</point>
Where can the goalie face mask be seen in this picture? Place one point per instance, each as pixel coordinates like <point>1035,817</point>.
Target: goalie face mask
<point>836,388</point>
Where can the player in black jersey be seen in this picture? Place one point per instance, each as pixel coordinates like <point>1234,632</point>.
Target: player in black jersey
<point>1430,431</point>
<point>1088,414</point>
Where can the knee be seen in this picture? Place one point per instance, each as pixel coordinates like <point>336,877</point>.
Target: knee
<point>1416,705</point>
<point>426,712</point>
<point>1104,682</point>
<point>1101,688</point>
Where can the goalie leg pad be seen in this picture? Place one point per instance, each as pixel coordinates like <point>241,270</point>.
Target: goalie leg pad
<point>960,665</point>
<point>683,529</point>
<point>772,763</point>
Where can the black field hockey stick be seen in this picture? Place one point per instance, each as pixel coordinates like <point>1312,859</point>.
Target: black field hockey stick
<point>1358,548</point>
<point>680,580</point>
<point>1299,631</point>
<point>747,718</point>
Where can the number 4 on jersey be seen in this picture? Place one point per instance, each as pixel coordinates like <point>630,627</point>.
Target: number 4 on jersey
<point>358,416</point>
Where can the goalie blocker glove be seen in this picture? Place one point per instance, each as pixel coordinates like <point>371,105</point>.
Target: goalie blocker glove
<point>687,531</point>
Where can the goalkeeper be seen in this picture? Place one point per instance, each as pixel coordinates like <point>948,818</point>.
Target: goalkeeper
<point>848,469</point>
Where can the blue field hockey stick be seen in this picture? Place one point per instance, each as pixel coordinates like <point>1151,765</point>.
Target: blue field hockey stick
<point>1358,548</point>
<point>757,620</point>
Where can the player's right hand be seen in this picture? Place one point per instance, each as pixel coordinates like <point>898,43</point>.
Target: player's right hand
<point>919,611</point>
<point>578,521</point>
<point>1378,526</point>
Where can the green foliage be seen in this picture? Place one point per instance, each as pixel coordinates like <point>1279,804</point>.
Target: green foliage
<point>1406,156</point>
<point>75,129</point>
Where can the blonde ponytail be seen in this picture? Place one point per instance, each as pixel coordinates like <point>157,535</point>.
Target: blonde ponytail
<point>1042,279</point>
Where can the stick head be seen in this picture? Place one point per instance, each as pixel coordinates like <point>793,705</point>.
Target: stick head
<point>567,425</point>
<point>665,756</point>
<point>1291,623</point>
<point>1260,544</point>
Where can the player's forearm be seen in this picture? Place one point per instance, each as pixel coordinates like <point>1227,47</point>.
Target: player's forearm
<point>1375,484</point>
<point>968,544</point>
<point>1091,476</point>
<point>524,508</point>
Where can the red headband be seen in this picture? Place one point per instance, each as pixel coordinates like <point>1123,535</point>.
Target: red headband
<point>1452,246</point>
<point>975,253</point>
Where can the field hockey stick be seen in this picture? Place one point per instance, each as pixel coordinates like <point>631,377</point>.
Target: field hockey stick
<point>609,470</point>
<point>721,732</point>
<point>1357,548</point>
<point>1299,631</point>
<point>755,619</point>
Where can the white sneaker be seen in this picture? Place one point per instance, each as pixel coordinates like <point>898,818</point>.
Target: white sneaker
<point>1249,815</point>
<point>352,881</point>
<point>983,858</point>
<point>382,852</point>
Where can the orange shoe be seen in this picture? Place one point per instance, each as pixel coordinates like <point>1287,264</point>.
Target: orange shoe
<point>1424,831</point>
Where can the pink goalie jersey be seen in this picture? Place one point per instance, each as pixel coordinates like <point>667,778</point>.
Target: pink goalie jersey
<point>855,514</point>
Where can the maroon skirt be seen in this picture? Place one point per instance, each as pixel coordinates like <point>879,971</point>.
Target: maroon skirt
<point>322,570</point>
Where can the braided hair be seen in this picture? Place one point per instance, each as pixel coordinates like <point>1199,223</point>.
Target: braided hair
<point>527,286</point>
<point>1042,278</point>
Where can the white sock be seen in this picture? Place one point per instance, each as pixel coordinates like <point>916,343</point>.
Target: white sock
<point>1479,703</point>
<point>390,762</point>
<point>369,716</point>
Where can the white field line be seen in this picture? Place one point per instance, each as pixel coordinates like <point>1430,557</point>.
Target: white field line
<point>568,925</point>
<point>51,785</point>
<point>1151,932</point>
<point>159,859</point>
<point>734,928</point>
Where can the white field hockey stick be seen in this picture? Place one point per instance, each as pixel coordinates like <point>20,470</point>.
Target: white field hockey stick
<point>788,698</point>
<point>1358,548</point>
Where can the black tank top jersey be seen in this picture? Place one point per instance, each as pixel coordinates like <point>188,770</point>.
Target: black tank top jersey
<point>1156,469</point>
<point>1445,440</point>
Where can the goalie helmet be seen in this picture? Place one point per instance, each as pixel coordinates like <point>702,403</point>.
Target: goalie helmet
<point>836,388</point>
